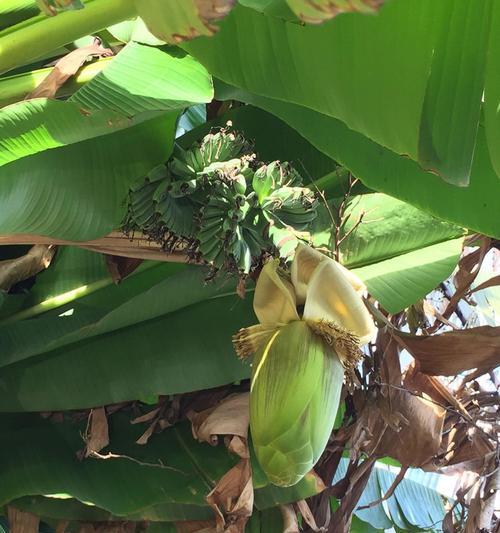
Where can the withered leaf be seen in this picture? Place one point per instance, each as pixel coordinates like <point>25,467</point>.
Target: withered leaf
<point>13,271</point>
<point>98,435</point>
<point>229,417</point>
<point>66,67</point>
<point>450,353</point>
<point>120,267</point>
<point>318,11</point>
<point>402,426</point>
<point>307,515</point>
<point>232,498</point>
<point>290,522</point>
<point>189,19</point>
<point>195,526</point>
<point>21,521</point>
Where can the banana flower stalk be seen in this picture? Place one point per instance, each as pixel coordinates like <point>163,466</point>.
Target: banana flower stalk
<point>312,325</point>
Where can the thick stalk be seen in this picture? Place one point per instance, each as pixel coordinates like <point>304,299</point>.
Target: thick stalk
<point>15,88</point>
<point>31,39</point>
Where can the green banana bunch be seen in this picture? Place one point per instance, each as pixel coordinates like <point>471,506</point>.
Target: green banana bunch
<point>228,209</point>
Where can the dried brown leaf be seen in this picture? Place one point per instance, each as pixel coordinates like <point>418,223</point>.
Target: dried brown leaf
<point>66,67</point>
<point>229,417</point>
<point>450,353</point>
<point>144,438</point>
<point>232,498</point>
<point>239,446</point>
<point>390,491</point>
<point>97,437</point>
<point>61,526</point>
<point>468,269</point>
<point>22,521</point>
<point>417,441</point>
<point>418,382</point>
<point>13,271</point>
<point>146,417</point>
<point>318,11</point>
<point>120,267</point>
<point>402,425</point>
<point>492,282</point>
<point>290,522</point>
<point>307,515</point>
<point>196,526</point>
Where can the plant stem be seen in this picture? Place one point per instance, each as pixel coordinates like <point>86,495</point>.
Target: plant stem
<point>32,38</point>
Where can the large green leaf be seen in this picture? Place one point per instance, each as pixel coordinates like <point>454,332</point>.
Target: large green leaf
<point>278,59</point>
<point>492,91</point>
<point>101,139</point>
<point>399,282</point>
<point>37,196</point>
<point>452,104</point>
<point>143,78</point>
<point>474,207</point>
<point>396,77</point>
<point>379,227</point>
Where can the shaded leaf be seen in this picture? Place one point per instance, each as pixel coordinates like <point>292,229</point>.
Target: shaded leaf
<point>418,86</point>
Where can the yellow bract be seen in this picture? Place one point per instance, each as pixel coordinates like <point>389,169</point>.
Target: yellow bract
<point>327,290</point>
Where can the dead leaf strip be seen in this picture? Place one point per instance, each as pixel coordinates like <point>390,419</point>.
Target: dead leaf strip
<point>97,436</point>
<point>66,67</point>
<point>307,515</point>
<point>13,271</point>
<point>390,490</point>
<point>468,269</point>
<point>232,498</point>
<point>115,243</point>
<point>22,521</point>
<point>195,526</point>
<point>159,464</point>
<point>452,352</point>
<point>449,353</point>
<point>492,282</point>
<point>290,522</point>
<point>230,417</point>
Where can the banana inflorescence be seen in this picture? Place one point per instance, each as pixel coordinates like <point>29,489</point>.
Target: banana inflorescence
<point>221,205</point>
<point>312,324</point>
